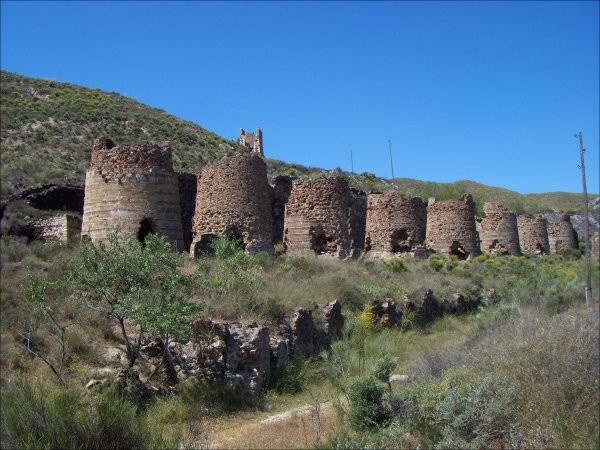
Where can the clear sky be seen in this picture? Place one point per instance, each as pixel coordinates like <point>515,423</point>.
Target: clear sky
<point>487,91</point>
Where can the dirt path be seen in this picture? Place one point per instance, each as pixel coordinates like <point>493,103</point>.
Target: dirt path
<point>295,428</point>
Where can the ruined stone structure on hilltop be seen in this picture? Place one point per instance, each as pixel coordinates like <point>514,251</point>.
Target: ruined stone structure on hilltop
<point>282,187</point>
<point>562,235</point>
<point>234,199</point>
<point>451,227</point>
<point>498,230</point>
<point>188,184</point>
<point>358,220</point>
<point>251,141</point>
<point>133,186</point>
<point>394,225</point>
<point>533,234</point>
<point>64,228</point>
<point>317,217</point>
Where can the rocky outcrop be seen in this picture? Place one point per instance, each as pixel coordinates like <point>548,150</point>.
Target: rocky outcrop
<point>386,312</point>
<point>328,323</point>
<point>422,304</point>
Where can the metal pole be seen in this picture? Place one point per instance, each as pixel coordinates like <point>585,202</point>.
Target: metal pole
<point>352,161</point>
<point>588,273</point>
<point>391,161</point>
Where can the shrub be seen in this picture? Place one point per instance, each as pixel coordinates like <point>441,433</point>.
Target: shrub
<point>396,265</point>
<point>366,408</point>
<point>436,262</point>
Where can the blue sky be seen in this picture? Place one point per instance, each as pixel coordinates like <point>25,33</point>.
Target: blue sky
<point>487,91</point>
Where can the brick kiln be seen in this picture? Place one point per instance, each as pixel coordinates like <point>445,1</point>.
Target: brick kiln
<point>533,234</point>
<point>498,230</point>
<point>133,186</point>
<point>317,217</point>
<point>561,235</point>
<point>234,199</point>
<point>395,225</point>
<point>451,227</point>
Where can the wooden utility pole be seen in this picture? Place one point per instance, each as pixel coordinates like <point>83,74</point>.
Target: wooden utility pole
<point>586,224</point>
<point>391,161</point>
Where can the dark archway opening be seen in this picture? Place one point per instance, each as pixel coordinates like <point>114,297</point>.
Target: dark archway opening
<point>400,241</point>
<point>539,249</point>
<point>233,234</point>
<point>368,244</point>
<point>322,243</point>
<point>456,249</point>
<point>497,247</point>
<point>146,227</point>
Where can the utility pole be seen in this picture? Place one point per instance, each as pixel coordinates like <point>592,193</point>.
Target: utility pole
<point>352,161</point>
<point>391,161</point>
<point>588,272</point>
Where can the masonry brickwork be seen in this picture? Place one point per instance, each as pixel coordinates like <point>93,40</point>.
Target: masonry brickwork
<point>498,230</point>
<point>281,190</point>
<point>394,224</point>
<point>188,185</point>
<point>234,198</point>
<point>562,235</point>
<point>533,234</point>
<point>451,228</point>
<point>63,228</point>
<point>317,217</point>
<point>133,186</point>
<point>251,141</point>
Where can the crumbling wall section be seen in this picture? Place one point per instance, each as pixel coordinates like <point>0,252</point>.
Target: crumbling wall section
<point>281,189</point>
<point>498,230</point>
<point>394,224</point>
<point>63,228</point>
<point>451,227</point>
<point>134,187</point>
<point>533,234</point>
<point>358,220</point>
<point>562,235</point>
<point>234,198</point>
<point>188,184</point>
<point>317,217</point>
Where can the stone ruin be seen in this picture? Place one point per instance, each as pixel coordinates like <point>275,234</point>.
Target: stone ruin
<point>317,217</point>
<point>64,228</point>
<point>132,186</point>
<point>533,234</point>
<point>395,225</point>
<point>281,189</point>
<point>251,141</point>
<point>498,230</point>
<point>451,227</point>
<point>562,235</point>
<point>234,199</point>
<point>188,184</point>
<point>242,355</point>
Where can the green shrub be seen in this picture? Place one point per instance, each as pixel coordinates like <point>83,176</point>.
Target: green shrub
<point>384,368</point>
<point>366,408</point>
<point>396,265</point>
<point>436,262</point>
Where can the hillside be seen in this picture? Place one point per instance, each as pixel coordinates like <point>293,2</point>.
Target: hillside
<point>47,130</point>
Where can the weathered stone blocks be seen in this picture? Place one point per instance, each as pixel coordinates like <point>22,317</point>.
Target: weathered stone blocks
<point>533,234</point>
<point>562,235</point>
<point>451,227</point>
<point>498,230</point>
<point>234,199</point>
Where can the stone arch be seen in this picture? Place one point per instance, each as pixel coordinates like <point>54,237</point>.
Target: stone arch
<point>146,227</point>
<point>458,250</point>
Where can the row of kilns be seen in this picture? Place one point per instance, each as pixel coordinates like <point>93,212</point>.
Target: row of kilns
<point>135,187</point>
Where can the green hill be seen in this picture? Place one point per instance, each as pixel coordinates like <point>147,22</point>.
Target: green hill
<point>48,127</point>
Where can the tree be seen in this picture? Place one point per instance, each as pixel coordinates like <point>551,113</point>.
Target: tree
<point>141,284</point>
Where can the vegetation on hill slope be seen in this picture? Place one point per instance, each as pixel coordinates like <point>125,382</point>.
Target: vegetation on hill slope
<point>48,127</point>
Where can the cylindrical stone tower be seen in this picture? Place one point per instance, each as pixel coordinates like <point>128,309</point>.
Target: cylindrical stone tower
<point>317,217</point>
<point>533,234</point>
<point>561,235</point>
<point>451,227</point>
<point>395,224</point>
<point>234,199</point>
<point>498,230</point>
<point>132,186</point>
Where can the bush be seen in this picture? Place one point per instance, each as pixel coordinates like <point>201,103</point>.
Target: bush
<point>396,265</point>
<point>366,404</point>
<point>436,262</point>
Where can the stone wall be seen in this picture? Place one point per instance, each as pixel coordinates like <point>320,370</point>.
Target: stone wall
<point>317,217</point>
<point>533,234</point>
<point>562,235</point>
<point>394,224</point>
<point>451,227</point>
<point>234,199</point>
<point>281,189</point>
<point>60,228</point>
<point>498,230</point>
<point>55,197</point>
<point>132,186</point>
<point>358,219</point>
<point>251,141</point>
<point>188,184</point>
